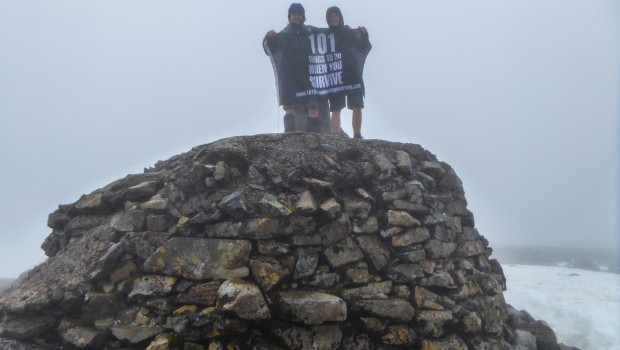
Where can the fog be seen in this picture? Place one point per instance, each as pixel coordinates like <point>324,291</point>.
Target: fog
<point>520,97</point>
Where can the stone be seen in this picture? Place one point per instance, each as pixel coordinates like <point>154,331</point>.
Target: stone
<point>201,294</point>
<point>198,259</point>
<point>405,273</point>
<point>156,204</point>
<point>311,308</point>
<point>403,163</point>
<point>323,337</point>
<point>272,207</point>
<point>307,260</point>
<point>436,249</point>
<point>441,233</point>
<point>452,343</point>
<point>401,219</point>
<point>412,256</point>
<point>26,327</point>
<point>140,191</point>
<point>470,248</point>
<point>135,334</point>
<point>410,237</point>
<point>433,322</point>
<point>331,207</point>
<point>243,299</point>
<point>92,203</point>
<point>268,272</point>
<point>144,244</point>
<point>343,252</point>
<point>399,335</point>
<point>433,169</point>
<point>383,163</point>
<point>152,286</point>
<point>335,231</point>
<point>133,220</point>
<point>84,338</point>
<point>156,222</point>
<point>375,250</point>
<point>273,248</point>
<point>234,205</point>
<point>395,309</point>
<point>426,300</point>
<point>99,306</point>
<point>357,208</point>
<point>306,203</point>
<point>379,290</point>
<point>370,225</point>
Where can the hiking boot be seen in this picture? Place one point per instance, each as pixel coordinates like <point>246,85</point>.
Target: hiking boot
<point>289,122</point>
<point>357,135</point>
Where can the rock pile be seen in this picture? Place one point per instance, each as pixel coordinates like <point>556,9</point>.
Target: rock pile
<point>288,241</point>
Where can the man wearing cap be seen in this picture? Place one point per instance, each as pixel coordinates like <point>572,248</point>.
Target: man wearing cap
<point>289,48</point>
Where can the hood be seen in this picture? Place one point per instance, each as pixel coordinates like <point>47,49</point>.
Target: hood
<point>337,10</point>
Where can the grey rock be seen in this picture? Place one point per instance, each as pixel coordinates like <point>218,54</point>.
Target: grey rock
<point>201,294</point>
<point>135,334</point>
<point>452,342</point>
<point>26,327</point>
<point>343,252</point>
<point>268,272</point>
<point>144,244</point>
<point>311,308</point>
<point>234,205</point>
<point>133,220</point>
<point>155,204</point>
<point>307,260</point>
<point>306,203</point>
<point>370,225</point>
<point>152,286</point>
<point>395,309</point>
<point>383,163</point>
<point>331,207</point>
<point>401,219</point>
<point>399,335</point>
<point>433,322</point>
<point>411,237</point>
<point>436,249</point>
<point>196,258</point>
<point>403,163</point>
<point>375,250</point>
<point>405,273</point>
<point>323,337</point>
<point>378,290</point>
<point>243,299</point>
<point>441,233</point>
<point>335,231</point>
<point>357,208</point>
<point>84,337</point>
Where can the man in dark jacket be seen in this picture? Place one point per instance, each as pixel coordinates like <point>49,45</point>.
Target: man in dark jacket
<point>354,45</point>
<point>288,50</point>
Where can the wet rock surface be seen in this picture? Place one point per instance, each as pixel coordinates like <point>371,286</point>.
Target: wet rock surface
<point>284,241</point>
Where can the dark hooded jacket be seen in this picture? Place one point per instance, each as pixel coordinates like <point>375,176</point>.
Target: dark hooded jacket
<point>289,54</point>
<point>354,46</point>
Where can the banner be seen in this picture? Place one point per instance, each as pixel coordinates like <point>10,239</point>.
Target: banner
<point>318,63</point>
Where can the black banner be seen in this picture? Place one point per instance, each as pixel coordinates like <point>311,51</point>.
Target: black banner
<point>318,63</point>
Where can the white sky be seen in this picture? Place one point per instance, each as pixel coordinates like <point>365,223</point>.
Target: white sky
<point>521,97</point>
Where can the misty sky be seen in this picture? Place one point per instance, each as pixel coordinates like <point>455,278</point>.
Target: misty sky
<point>521,97</point>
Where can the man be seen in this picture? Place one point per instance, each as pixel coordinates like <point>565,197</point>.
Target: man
<point>354,45</point>
<point>290,49</point>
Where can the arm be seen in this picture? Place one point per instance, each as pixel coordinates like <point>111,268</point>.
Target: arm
<point>270,41</point>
